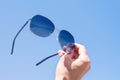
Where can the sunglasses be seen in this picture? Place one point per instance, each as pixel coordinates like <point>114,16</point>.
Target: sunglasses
<point>43,27</point>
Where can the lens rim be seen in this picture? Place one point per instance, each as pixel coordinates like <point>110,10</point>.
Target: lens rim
<point>66,41</point>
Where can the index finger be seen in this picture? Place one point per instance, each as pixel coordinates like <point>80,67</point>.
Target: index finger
<point>81,50</point>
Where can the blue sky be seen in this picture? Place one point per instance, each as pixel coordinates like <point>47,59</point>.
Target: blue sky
<point>93,23</point>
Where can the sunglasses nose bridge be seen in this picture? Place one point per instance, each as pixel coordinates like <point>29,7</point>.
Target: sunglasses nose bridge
<point>58,30</point>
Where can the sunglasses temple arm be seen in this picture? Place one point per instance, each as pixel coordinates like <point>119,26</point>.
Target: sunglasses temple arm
<point>46,58</point>
<point>17,35</point>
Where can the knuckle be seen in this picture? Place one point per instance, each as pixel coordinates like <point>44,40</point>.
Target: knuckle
<point>87,62</point>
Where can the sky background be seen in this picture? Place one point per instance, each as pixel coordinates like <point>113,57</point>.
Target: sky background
<point>93,23</point>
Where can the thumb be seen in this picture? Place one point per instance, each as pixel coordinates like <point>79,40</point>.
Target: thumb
<point>65,58</point>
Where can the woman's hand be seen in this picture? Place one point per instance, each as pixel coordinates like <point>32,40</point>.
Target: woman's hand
<point>73,66</point>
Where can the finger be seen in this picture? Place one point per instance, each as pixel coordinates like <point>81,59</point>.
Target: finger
<point>83,55</point>
<point>61,53</point>
<point>81,49</point>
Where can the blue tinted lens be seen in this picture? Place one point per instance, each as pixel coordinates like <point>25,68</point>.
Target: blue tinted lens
<point>41,26</point>
<point>66,41</point>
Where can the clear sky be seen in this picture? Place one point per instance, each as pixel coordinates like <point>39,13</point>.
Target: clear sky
<point>94,23</point>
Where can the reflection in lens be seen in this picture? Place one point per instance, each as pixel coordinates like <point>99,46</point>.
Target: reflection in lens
<point>69,48</point>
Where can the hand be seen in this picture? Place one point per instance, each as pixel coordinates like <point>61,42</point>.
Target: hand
<point>73,66</point>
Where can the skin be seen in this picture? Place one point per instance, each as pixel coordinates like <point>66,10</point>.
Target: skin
<point>73,66</point>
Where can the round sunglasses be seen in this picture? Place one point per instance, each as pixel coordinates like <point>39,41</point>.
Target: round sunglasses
<point>43,27</point>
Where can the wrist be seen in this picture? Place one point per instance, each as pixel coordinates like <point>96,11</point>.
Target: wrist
<point>66,78</point>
